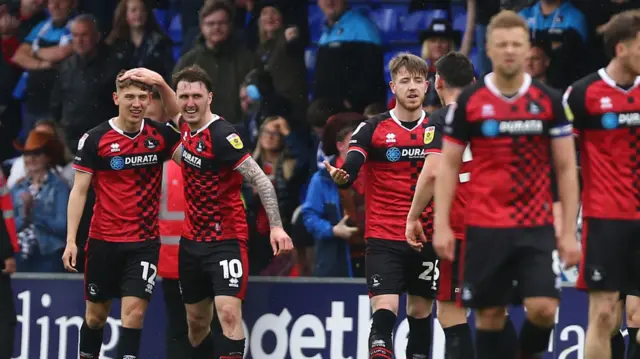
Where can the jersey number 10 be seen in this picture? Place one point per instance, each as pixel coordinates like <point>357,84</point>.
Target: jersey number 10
<point>466,157</point>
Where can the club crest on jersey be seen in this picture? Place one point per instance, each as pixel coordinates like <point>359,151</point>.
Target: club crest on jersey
<point>150,143</point>
<point>200,146</point>
<point>429,134</point>
<point>235,141</point>
<point>534,108</point>
<point>82,140</point>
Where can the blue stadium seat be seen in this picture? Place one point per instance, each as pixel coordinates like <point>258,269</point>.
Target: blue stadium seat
<point>175,29</point>
<point>459,18</point>
<point>161,18</point>
<point>388,18</point>
<point>316,22</point>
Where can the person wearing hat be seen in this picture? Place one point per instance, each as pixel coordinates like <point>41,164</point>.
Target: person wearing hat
<point>40,205</point>
<point>324,208</point>
<point>437,40</point>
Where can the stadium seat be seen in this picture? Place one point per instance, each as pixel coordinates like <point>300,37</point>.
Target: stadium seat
<point>175,29</point>
<point>161,18</point>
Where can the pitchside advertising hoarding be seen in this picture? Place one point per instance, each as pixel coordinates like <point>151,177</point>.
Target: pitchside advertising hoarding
<point>315,319</point>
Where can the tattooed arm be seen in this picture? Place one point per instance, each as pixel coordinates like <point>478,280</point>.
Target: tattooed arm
<point>253,174</point>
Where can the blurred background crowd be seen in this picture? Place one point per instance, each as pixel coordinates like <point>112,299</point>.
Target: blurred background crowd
<point>294,76</point>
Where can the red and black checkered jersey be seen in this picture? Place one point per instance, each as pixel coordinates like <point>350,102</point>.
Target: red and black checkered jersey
<point>212,185</point>
<point>607,121</point>
<point>394,156</point>
<point>127,176</point>
<point>510,141</point>
<point>458,208</point>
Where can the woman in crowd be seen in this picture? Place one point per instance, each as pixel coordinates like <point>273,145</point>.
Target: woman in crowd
<point>40,201</point>
<point>138,41</point>
<point>281,51</point>
<point>272,153</point>
<point>63,155</point>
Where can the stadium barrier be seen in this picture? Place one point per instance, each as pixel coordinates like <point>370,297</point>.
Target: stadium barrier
<point>296,318</point>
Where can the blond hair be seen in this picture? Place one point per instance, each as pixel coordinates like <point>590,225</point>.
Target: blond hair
<point>507,19</point>
<point>410,62</point>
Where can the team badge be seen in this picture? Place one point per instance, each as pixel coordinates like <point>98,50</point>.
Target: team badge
<point>235,141</point>
<point>151,143</point>
<point>200,146</point>
<point>429,134</point>
<point>82,141</point>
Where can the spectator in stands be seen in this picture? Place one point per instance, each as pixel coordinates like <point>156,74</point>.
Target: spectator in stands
<point>63,165</point>
<point>318,114</point>
<point>81,96</point>
<point>539,60</point>
<point>272,153</point>
<point>374,109</point>
<point>281,51</point>
<point>46,45</point>
<point>349,63</point>
<point>439,39</point>
<point>225,61</point>
<point>40,201</point>
<point>565,27</point>
<point>598,13</point>
<point>138,41</point>
<point>324,207</point>
<point>8,246</point>
<point>17,18</point>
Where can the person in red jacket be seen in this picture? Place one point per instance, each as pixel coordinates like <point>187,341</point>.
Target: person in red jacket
<point>170,220</point>
<point>8,246</point>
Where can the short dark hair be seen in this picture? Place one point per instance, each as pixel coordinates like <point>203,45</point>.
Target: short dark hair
<point>455,69</point>
<point>129,82</point>
<point>375,108</point>
<point>342,133</point>
<point>193,73</point>
<point>413,64</point>
<point>321,109</point>
<point>620,28</point>
<point>211,6</point>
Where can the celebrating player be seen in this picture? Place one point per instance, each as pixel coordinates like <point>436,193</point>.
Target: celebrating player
<point>390,148</point>
<point>605,105</point>
<point>213,263</point>
<point>454,71</point>
<point>122,158</point>
<point>515,126</point>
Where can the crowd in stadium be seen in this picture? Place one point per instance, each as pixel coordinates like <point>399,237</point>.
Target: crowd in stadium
<point>60,59</point>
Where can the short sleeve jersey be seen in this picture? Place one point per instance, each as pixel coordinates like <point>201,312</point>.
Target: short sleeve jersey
<point>510,141</point>
<point>127,176</point>
<point>394,156</point>
<point>607,121</point>
<point>210,157</point>
<point>458,208</point>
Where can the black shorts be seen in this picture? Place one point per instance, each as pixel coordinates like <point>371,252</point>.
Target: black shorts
<point>117,269</point>
<point>210,269</point>
<point>393,267</point>
<point>501,264</point>
<point>449,285</point>
<point>610,256</point>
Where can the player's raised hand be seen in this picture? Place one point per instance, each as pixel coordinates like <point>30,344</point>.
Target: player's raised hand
<point>338,175</point>
<point>415,234</point>
<point>569,250</point>
<point>444,242</point>
<point>143,75</point>
<point>280,241</point>
<point>69,257</point>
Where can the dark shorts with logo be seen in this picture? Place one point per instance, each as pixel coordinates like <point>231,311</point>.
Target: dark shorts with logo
<point>210,269</point>
<point>117,269</point>
<point>501,264</point>
<point>393,267</point>
<point>610,256</point>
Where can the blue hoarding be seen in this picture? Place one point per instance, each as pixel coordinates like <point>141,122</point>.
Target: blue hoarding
<point>283,319</point>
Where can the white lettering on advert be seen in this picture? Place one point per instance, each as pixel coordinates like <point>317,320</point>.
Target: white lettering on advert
<point>191,159</point>
<point>301,337</point>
